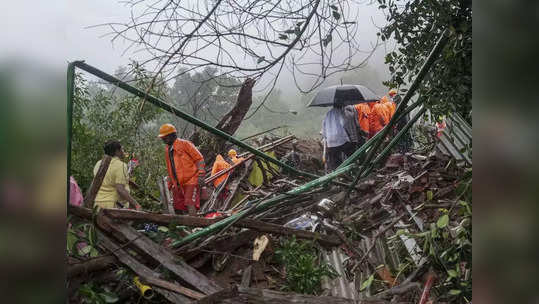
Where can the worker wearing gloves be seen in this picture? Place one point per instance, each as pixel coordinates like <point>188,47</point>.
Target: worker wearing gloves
<point>185,165</point>
<point>114,191</point>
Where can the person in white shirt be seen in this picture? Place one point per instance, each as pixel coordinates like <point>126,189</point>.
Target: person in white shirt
<point>335,137</point>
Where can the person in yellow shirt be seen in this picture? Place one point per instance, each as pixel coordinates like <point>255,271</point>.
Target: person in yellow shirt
<point>114,191</point>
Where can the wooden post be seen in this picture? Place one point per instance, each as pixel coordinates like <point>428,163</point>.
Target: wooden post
<point>97,182</point>
<point>163,195</point>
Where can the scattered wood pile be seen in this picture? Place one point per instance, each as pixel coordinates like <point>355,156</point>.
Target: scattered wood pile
<point>391,239</point>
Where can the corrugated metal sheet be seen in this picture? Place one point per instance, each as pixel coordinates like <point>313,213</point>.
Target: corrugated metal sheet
<point>340,286</point>
<point>456,139</point>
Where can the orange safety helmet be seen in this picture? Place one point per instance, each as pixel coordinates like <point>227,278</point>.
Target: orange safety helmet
<point>166,129</point>
<point>232,153</point>
<point>392,92</point>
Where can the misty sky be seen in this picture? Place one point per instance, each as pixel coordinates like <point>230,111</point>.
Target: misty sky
<point>54,32</point>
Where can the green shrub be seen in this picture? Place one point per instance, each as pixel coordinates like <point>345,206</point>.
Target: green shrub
<point>304,271</point>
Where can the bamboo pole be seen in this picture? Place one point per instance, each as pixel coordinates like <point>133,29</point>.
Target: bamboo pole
<point>438,47</point>
<point>70,95</point>
<point>264,132</point>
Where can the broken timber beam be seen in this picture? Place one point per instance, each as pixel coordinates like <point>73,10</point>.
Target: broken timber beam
<point>139,268</point>
<point>193,221</point>
<point>173,287</point>
<point>166,258</point>
<point>92,265</point>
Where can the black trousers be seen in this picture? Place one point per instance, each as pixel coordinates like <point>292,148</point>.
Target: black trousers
<point>336,155</point>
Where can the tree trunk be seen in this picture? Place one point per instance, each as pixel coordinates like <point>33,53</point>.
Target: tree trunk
<point>232,120</point>
<point>210,146</point>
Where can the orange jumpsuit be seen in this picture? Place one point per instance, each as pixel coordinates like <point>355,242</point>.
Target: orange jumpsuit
<point>390,105</point>
<point>183,179</point>
<point>363,111</point>
<point>378,118</point>
<point>219,165</point>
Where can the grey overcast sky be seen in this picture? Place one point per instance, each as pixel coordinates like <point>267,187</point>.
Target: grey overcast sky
<point>54,32</point>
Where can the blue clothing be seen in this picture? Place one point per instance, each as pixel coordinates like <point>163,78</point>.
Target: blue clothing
<point>333,128</point>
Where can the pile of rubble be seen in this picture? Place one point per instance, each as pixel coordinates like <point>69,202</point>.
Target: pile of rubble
<point>399,235</point>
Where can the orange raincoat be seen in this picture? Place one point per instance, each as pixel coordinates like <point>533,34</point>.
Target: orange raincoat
<point>363,111</point>
<point>378,118</point>
<point>219,165</point>
<point>390,105</point>
<point>187,159</point>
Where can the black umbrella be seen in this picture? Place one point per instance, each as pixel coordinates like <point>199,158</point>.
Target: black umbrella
<point>346,94</point>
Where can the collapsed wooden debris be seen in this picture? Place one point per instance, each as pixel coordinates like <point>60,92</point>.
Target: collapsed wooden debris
<point>392,199</point>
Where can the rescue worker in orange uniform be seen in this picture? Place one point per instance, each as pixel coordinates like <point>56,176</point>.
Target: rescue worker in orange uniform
<point>390,106</point>
<point>185,165</point>
<point>363,111</point>
<point>220,164</point>
<point>378,118</point>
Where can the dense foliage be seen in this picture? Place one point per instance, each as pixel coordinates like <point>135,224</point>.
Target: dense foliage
<point>415,27</point>
<point>102,113</point>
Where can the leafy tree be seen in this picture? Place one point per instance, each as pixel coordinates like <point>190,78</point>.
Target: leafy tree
<point>415,27</point>
<point>102,113</point>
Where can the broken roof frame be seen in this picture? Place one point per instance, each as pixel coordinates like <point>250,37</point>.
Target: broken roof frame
<point>371,145</point>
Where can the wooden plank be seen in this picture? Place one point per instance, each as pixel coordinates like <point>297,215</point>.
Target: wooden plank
<point>139,269</point>
<point>81,212</point>
<point>164,195</point>
<point>167,259</point>
<point>246,276</point>
<point>97,182</point>
<point>140,216</point>
<point>96,264</point>
<point>173,287</point>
